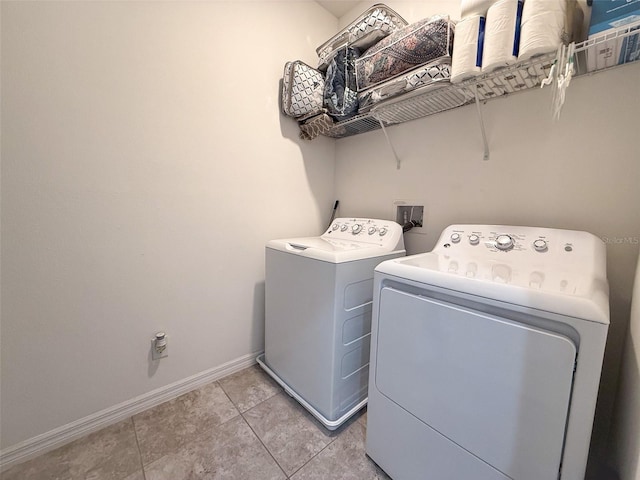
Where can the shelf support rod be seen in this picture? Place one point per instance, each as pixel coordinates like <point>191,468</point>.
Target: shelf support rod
<point>393,150</point>
<point>484,135</point>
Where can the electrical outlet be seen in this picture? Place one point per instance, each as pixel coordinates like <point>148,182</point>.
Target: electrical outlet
<point>159,346</point>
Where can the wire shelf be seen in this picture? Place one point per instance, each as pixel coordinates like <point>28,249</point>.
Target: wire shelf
<point>611,49</point>
<point>358,124</point>
<point>515,78</point>
<point>418,104</point>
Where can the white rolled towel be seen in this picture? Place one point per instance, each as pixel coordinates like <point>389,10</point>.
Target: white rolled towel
<point>471,8</point>
<point>502,34</point>
<point>466,60</point>
<point>544,27</point>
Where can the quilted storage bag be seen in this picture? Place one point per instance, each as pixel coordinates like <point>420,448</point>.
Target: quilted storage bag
<point>415,45</point>
<point>435,74</point>
<point>302,90</point>
<point>373,25</point>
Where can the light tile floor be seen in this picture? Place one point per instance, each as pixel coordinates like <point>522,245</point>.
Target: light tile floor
<point>241,427</point>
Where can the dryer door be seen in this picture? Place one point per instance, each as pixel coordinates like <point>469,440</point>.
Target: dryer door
<point>498,389</point>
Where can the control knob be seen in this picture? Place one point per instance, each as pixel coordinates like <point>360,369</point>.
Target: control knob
<point>344,227</point>
<point>382,232</point>
<point>335,226</point>
<point>371,230</point>
<point>504,242</point>
<point>357,228</point>
<point>474,239</point>
<point>455,237</point>
<point>540,245</point>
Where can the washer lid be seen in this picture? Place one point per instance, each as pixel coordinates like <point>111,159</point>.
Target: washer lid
<point>328,250</point>
<point>346,240</point>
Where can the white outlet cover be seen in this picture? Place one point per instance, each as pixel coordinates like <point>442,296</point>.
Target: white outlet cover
<point>155,355</point>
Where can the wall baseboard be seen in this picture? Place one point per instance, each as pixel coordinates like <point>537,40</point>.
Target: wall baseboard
<point>60,436</point>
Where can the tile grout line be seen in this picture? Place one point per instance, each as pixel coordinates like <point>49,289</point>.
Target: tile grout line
<point>135,432</point>
<point>333,439</point>
<point>251,428</point>
<point>262,443</point>
<point>196,436</point>
<point>217,382</point>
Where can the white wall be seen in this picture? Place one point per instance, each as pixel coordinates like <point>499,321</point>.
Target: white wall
<point>582,172</point>
<point>144,166</point>
<point>626,421</point>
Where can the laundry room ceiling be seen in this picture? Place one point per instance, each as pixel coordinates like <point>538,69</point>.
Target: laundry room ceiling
<point>338,7</point>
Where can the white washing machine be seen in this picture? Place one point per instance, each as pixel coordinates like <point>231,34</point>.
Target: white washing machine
<point>319,292</point>
<point>486,355</point>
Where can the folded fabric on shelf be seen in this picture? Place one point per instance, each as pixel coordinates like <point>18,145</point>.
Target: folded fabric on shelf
<point>317,125</point>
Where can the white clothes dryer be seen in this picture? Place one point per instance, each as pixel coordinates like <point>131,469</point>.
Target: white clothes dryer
<point>627,418</point>
<point>486,355</point>
<point>318,299</point>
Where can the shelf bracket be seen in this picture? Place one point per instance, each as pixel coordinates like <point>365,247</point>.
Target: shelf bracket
<point>484,135</point>
<point>393,150</point>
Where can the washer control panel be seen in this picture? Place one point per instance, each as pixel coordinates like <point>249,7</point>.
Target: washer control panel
<point>367,230</point>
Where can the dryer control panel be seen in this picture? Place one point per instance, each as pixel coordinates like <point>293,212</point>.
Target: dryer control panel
<point>565,261</point>
<point>561,271</point>
<point>366,230</point>
<point>523,240</point>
